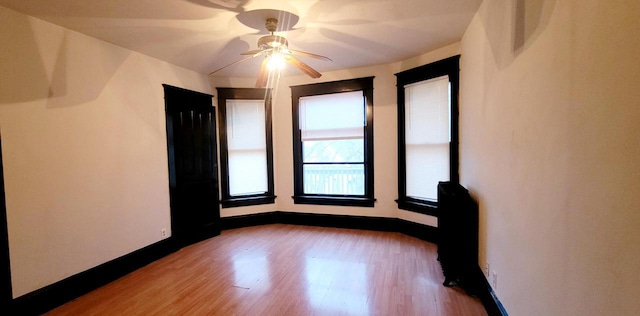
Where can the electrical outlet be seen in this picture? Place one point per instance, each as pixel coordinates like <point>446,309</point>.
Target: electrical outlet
<point>487,269</point>
<point>163,233</point>
<point>494,280</point>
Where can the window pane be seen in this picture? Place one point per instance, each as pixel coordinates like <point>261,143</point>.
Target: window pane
<point>427,109</point>
<point>350,150</point>
<point>246,147</point>
<point>426,166</point>
<point>247,172</point>
<point>332,116</point>
<point>333,179</point>
<point>427,136</point>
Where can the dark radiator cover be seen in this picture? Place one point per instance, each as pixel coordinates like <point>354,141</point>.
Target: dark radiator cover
<point>458,236</point>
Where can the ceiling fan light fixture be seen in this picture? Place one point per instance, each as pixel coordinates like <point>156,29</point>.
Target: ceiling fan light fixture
<point>275,61</point>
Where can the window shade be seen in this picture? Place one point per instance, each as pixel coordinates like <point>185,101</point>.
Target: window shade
<point>318,119</point>
<point>427,136</point>
<point>246,147</point>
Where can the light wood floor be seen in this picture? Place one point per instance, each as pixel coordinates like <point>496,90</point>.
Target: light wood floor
<point>286,270</point>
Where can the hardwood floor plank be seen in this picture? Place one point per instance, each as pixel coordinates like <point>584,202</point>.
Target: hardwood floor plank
<point>286,270</point>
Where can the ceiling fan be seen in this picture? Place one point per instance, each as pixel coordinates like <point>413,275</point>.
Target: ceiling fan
<point>276,52</point>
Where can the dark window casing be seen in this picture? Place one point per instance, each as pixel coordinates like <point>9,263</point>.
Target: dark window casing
<point>361,84</point>
<point>450,67</point>
<point>225,94</point>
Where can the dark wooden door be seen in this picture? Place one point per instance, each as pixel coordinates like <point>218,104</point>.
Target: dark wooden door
<point>5,271</point>
<point>193,165</point>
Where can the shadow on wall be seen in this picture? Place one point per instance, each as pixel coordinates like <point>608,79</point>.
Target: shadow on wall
<point>231,5</point>
<point>22,74</point>
<point>220,57</point>
<point>82,70</point>
<point>483,224</point>
<point>50,63</point>
<point>513,26</point>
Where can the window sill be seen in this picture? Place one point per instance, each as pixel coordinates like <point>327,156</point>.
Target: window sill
<point>334,200</point>
<point>418,206</point>
<point>248,200</point>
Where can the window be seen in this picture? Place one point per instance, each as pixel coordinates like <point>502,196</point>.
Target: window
<point>246,153</point>
<point>333,143</point>
<point>427,133</point>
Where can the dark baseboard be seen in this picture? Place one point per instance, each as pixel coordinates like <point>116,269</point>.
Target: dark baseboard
<point>420,231</point>
<point>486,295</point>
<point>186,238</point>
<point>56,294</point>
<point>248,220</point>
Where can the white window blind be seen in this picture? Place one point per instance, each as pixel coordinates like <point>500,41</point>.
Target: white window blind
<point>246,147</point>
<point>427,136</point>
<point>332,116</point>
<point>332,135</point>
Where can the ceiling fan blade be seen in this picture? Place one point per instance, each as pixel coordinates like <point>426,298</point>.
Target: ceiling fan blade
<point>231,64</point>
<point>263,75</point>
<point>304,67</point>
<point>301,53</point>
<point>256,52</point>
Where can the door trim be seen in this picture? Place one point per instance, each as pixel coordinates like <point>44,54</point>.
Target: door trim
<point>209,230</point>
<point>5,266</point>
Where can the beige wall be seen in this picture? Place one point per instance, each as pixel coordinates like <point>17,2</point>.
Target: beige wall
<point>550,140</point>
<point>84,148</point>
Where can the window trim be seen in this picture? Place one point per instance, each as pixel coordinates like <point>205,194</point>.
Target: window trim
<point>450,67</point>
<point>225,94</point>
<point>365,85</point>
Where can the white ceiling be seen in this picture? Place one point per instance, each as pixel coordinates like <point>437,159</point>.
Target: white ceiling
<point>204,35</point>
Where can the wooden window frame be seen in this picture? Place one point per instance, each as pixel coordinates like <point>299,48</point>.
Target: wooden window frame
<point>225,94</point>
<point>450,67</point>
<point>360,84</point>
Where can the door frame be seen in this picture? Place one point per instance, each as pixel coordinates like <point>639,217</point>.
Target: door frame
<point>6,296</point>
<point>210,230</point>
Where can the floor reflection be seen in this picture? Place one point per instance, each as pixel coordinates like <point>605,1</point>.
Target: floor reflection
<point>335,286</point>
<point>251,270</point>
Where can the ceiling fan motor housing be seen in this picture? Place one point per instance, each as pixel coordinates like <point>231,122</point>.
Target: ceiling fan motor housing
<point>272,41</point>
<point>271,24</point>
